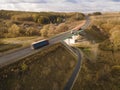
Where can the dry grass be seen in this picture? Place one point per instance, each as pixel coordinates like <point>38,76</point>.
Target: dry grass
<point>7,47</point>
<point>105,29</point>
<point>21,40</point>
<point>73,24</point>
<point>12,44</point>
<point>101,74</point>
<point>46,70</point>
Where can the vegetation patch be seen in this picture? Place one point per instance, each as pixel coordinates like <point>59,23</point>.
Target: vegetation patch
<point>46,70</point>
<point>17,24</point>
<point>7,47</point>
<point>101,74</point>
<point>108,26</point>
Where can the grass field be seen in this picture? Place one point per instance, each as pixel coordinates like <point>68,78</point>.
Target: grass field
<point>9,44</point>
<point>7,47</point>
<point>46,70</point>
<point>104,29</point>
<point>19,42</point>
<point>102,72</point>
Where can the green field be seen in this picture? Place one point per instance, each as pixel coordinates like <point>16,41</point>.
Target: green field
<point>46,70</point>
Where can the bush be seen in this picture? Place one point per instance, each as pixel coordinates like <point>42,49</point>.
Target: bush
<point>115,71</point>
<point>24,67</point>
<point>30,31</point>
<point>97,13</point>
<point>52,30</point>
<point>7,47</point>
<point>106,45</point>
<point>43,20</point>
<point>44,31</point>
<point>14,30</point>
<point>62,28</point>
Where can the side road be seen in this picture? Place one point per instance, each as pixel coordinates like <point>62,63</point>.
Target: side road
<point>73,77</point>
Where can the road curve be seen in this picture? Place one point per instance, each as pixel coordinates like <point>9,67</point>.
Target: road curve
<point>15,56</point>
<point>73,77</point>
<point>71,81</point>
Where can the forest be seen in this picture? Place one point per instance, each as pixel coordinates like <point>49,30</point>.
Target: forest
<point>17,23</point>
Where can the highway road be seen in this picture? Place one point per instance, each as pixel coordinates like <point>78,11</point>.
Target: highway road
<point>15,56</point>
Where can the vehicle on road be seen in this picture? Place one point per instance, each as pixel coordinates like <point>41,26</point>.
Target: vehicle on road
<point>39,44</point>
<point>80,29</point>
<point>74,32</point>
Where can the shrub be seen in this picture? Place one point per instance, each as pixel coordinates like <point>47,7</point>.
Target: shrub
<point>24,67</point>
<point>7,47</point>
<point>106,45</point>
<point>44,31</point>
<point>115,70</point>
<point>62,28</point>
<point>14,30</point>
<point>97,13</point>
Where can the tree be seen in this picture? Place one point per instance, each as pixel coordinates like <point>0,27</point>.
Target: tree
<point>43,20</point>
<point>62,27</point>
<point>115,71</point>
<point>35,17</point>
<point>51,30</point>
<point>59,20</point>
<point>31,31</point>
<point>22,17</point>
<point>44,31</point>
<point>97,13</point>
<point>5,14</point>
<point>79,16</point>
<point>3,31</point>
<point>14,30</point>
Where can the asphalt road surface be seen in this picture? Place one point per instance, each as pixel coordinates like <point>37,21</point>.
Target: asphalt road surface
<point>73,77</point>
<point>71,81</point>
<point>14,56</point>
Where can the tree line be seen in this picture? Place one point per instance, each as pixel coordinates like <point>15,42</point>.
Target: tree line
<point>15,23</point>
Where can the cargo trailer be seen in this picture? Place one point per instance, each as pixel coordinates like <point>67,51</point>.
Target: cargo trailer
<point>39,44</point>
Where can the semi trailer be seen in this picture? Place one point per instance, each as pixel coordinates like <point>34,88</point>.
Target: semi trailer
<point>39,44</point>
